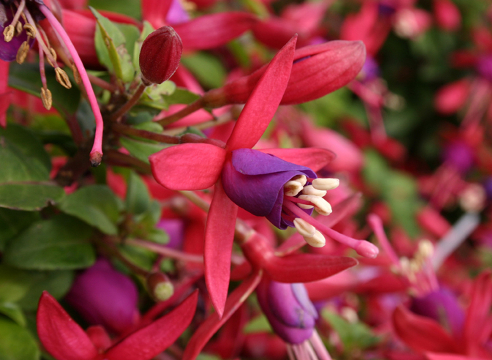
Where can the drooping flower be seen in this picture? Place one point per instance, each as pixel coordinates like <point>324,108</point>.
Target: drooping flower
<point>199,166</point>
<point>12,48</point>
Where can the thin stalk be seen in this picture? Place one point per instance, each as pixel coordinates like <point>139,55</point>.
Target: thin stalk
<point>202,126</point>
<point>166,251</point>
<point>189,109</point>
<point>127,160</point>
<point>128,130</point>
<point>114,251</point>
<point>101,83</point>
<point>96,152</point>
<point>130,103</point>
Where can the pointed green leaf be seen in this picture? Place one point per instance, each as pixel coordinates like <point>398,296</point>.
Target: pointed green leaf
<point>16,342</point>
<point>14,312</point>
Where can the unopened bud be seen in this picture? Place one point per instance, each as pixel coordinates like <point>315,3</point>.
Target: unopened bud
<point>159,286</point>
<point>46,98</point>
<point>8,33</point>
<point>22,52</point>
<point>30,30</point>
<point>160,55</point>
<point>62,78</point>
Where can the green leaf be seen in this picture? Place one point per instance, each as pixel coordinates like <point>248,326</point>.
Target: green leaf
<point>16,342</point>
<point>61,242</point>
<point>12,222</point>
<point>29,195</point>
<point>131,35</point>
<point>137,195</point>
<point>258,324</point>
<point>182,96</point>
<point>14,283</point>
<point>141,150</point>
<point>96,205</point>
<point>147,28</point>
<point>26,78</point>
<point>207,68</point>
<point>14,312</point>
<point>111,49</point>
<point>353,335</point>
<point>57,283</point>
<point>128,8</point>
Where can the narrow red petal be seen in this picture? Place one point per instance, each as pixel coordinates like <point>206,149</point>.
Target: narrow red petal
<point>313,158</point>
<point>59,334</point>
<point>4,105</point>
<point>219,236</point>
<point>306,267</point>
<point>188,166</point>
<point>208,328</point>
<point>435,356</point>
<point>210,31</point>
<point>421,333</point>
<point>155,11</point>
<point>156,337</point>
<point>264,100</point>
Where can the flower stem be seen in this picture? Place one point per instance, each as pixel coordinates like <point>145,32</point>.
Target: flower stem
<point>191,108</point>
<point>128,130</point>
<point>127,160</point>
<point>166,251</point>
<point>96,152</point>
<point>130,103</point>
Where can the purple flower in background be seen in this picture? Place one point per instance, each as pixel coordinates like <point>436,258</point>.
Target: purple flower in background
<point>442,306</point>
<point>104,296</point>
<point>459,155</point>
<point>175,229</point>
<point>177,14</point>
<point>288,309</point>
<point>370,70</point>
<point>484,67</point>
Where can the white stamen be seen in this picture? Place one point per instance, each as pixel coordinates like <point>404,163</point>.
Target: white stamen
<point>292,188</point>
<point>322,206</point>
<point>310,190</point>
<point>326,183</point>
<point>304,228</point>
<point>317,240</point>
<point>302,179</point>
<point>305,207</point>
<point>426,249</point>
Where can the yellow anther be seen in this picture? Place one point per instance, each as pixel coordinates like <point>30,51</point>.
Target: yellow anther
<point>8,33</point>
<point>317,240</point>
<point>46,98</point>
<point>326,183</point>
<point>311,190</point>
<point>76,74</point>
<point>312,236</point>
<point>30,30</point>
<point>62,78</point>
<point>18,28</point>
<point>53,55</point>
<point>300,179</point>
<point>22,52</point>
<point>426,249</point>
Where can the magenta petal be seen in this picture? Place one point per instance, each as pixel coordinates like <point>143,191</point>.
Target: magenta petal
<point>59,334</point>
<point>188,166</point>
<point>264,100</point>
<point>219,235</point>
<point>153,339</point>
<point>313,158</point>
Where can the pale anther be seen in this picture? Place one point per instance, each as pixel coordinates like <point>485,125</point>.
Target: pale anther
<point>8,33</point>
<point>22,52</point>
<point>46,98</point>
<point>426,249</point>
<point>302,179</point>
<point>310,190</point>
<point>304,228</point>
<point>292,188</point>
<point>18,28</point>
<point>62,78</point>
<point>322,206</point>
<point>317,240</point>
<point>30,30</point>
<point>326,183</point>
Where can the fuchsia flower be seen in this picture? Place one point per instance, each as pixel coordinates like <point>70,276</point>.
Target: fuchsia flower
<point>65,340</point>
<point>239,173</point>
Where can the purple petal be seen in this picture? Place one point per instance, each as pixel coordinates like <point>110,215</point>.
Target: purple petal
<point>442,306</point>
<point>8,50</point>
<point>176,13</point>
<point>175,230</point>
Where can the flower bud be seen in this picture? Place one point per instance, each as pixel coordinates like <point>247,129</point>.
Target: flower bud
<point>160,55</point>
<point>288,309</point>
<point>159,286</point>
<point>104,296</point>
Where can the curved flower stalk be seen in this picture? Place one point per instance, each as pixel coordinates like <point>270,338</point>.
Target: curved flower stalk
<point>34,11</point>
<point>65,340</point>
<point>238,172</point>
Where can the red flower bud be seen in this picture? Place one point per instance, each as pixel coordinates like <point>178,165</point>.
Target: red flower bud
<point>160,55</point>
<point>317,70</point>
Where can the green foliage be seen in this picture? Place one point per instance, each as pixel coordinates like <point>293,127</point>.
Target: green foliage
<point>16,342</point>
<point>59,243</point>
<point>209,71</point>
